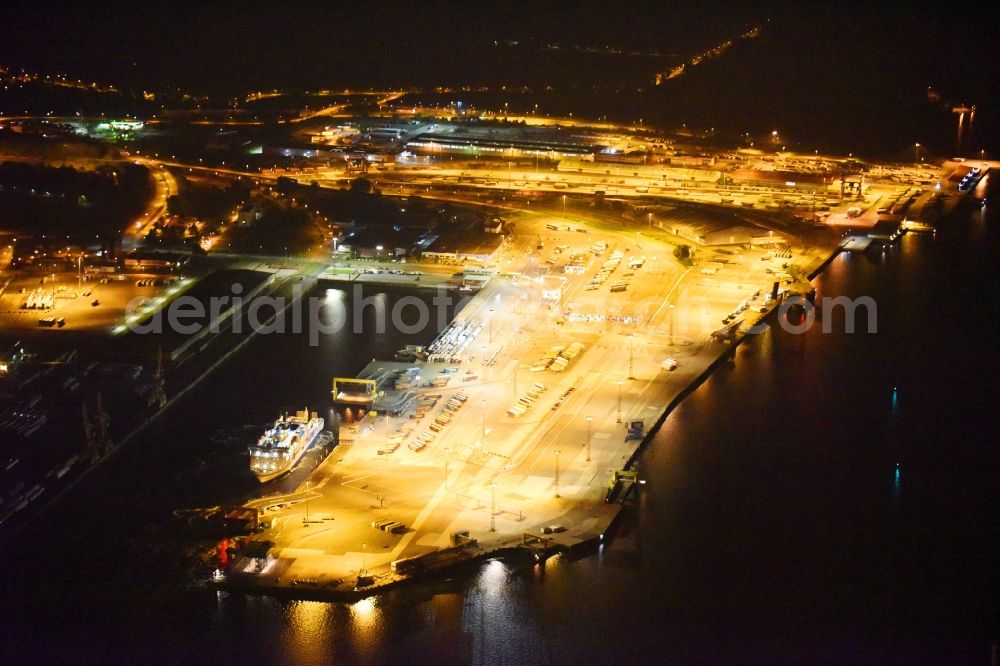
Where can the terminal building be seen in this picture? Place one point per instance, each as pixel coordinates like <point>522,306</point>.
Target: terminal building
<point>157,260</point>
<point>715,228</point>
<point>382,241</point>
<point>468,240</point>
<point>454,248</point>
<point>712,235</point>
<point>485,145</point>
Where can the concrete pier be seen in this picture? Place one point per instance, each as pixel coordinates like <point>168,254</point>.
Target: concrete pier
<point>500,447</point>
<point>493,444</point>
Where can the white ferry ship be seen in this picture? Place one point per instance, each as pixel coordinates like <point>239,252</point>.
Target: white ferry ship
<point>282,445</point>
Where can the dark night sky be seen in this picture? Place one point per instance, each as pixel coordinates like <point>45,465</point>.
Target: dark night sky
<point>841,66</point>
<point>212,45</point>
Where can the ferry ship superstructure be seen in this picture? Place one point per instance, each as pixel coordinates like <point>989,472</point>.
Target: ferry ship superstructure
<point>282,444</point>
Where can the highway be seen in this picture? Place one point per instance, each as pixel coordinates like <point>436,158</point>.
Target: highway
<point>164,186</point>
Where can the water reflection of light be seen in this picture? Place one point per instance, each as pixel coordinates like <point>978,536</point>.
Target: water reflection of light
<point>897,484</point>
<point>765,342</point>
<point>364,613</point>
<point>306,638</point>
<point>307,619</point>
<point>334,307</point>
<point>555,562</point>
<point>493,576</point>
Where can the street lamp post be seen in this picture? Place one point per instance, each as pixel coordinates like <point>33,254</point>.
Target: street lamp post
<point>564,207</point>
<point>515,377</point>
<point>590,433</point>
<point>557,472</point>
<point>493,506</point>
<point>484,421</point>
<point>631,345</point>
<point>671,324</point>
<point>649,217</point>
<point>619,401</point>
<point>916,152</point>
<point>364,551</point>
<point>491,325</point>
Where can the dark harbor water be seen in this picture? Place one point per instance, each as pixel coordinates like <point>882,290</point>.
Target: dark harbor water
<point>827,497</point>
